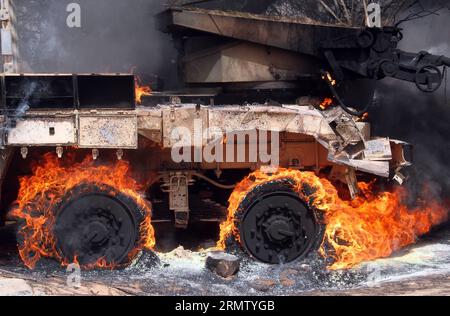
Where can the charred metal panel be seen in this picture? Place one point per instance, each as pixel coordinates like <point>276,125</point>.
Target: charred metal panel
<point>42,131</point>
<point>23,92</point>
<point>111,92</point>
<point>108,131</point>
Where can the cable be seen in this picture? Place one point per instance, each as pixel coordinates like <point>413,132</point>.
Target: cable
<point>341,103</point>
<point>215,183</point>
<point>188,3</point>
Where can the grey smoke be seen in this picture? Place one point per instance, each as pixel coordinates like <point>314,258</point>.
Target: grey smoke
<point>23,106</point>
<point>401,111</point>
<point>24,102</point>
<point>116,36</point>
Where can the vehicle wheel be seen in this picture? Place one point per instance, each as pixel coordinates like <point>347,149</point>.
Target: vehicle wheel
<point>275,225</point>
<point>94,223</point>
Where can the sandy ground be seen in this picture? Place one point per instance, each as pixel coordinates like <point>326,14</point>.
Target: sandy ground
<point>421,269</point>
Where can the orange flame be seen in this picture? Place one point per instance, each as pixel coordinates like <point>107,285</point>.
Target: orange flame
<point>326,103</point>
<point>141,91</point>
<point>363,118</point>
<point>369,227</point>
<point>49,182</point>
<point>329,78</point>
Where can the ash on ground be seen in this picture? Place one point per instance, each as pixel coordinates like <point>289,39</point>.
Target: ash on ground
<point>183,272</point>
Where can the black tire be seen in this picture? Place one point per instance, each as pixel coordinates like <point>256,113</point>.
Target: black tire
<point>276,225</point>
<point>94,223</point>
<point>105,225</point>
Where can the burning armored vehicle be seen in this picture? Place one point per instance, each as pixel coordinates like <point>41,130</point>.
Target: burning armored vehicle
<point>101,159</point>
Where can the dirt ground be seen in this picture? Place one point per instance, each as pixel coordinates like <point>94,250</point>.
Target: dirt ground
<point>421,269</point>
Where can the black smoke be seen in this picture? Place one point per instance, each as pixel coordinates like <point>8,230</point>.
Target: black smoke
<point>402,111</point>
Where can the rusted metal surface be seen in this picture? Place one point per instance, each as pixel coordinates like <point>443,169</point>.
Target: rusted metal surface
<point>301,128</point>
<point>299,35</point>
<point>246,62</point>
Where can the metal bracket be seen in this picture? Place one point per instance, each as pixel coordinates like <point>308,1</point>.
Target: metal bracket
<point>177,185</point>
<point>346,175</point>
<point>4,14</point>
<point>399,177</point>
<point>8,49</point>
<point>352,182</point>
<point>348,135</point>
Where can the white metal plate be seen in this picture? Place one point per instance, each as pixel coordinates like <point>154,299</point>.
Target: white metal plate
<point>6,42</point>
<point>108,131</point>
<point>43,131</point>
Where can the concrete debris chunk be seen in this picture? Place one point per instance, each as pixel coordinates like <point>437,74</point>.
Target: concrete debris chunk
<point>181,253</point>
<point>263,285</point>
<point>15,287</point>
<point>287,277</point>
<point>223,264</point>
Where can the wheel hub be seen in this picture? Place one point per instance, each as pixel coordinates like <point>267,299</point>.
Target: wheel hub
<point>278,228</point>
<point>96,233</point>
<point>96,226</point>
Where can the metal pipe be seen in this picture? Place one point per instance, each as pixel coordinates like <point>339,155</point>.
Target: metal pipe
<point>215,183</point>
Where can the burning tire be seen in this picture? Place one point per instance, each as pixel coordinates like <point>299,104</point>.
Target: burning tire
<point>97,226</point>
<point>82,212</point>
<point>275,225</point>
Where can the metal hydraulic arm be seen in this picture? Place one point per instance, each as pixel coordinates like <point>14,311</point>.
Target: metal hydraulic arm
<point>373,54</point>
